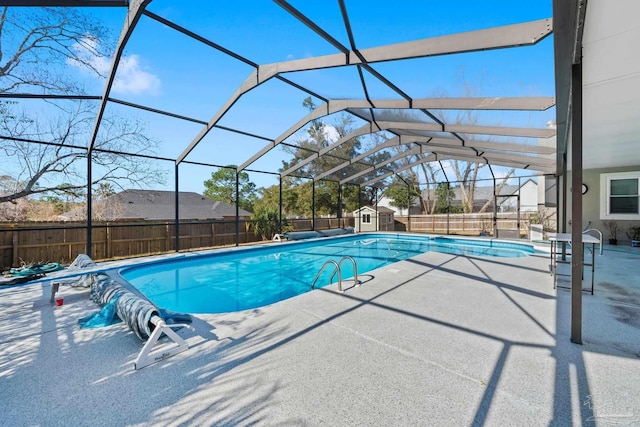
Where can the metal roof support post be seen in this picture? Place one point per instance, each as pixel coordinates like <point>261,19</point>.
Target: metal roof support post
<point>495,204</point>
<point>377,216</point>
<point>448,207</point>
<point>359,228</point>
<point>280,208</point>
<point>564,203</point>
<point>339,213</point>
<point>409,206</point>
<point>237,208</point>
<point>495,210</point>
<point>313,205</point>
<point>89,205</point>
<point>518,207</point>
<point>177,202</point>
<point>576,204</point>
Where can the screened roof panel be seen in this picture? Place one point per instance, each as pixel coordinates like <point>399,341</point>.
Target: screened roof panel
<point>282,100</point>
<point>391,115</point>
<point>380,87</point>
<point>523,71</point>
<point>331,83</point>
<point>170,133</point>
<point>163,75</point>
<point>214,148</point>
<point>496,117</point>
<point>327,16</point>
<point>225,23</point>
<point>429,19</point>
<point>237,74</point>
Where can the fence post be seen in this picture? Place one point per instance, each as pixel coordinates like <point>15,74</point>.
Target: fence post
<point>213,234</point>
<point>448,231</point>
<point>14,256</point>
<point>166,237</point>
<point>109,248</point>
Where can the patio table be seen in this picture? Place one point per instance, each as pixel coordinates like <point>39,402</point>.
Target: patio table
<point>564,238</point>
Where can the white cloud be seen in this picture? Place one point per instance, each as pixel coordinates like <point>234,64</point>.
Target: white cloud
<point>131,78</point>
<point>330,133</point>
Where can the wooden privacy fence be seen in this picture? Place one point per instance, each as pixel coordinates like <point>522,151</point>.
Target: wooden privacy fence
<point>24,243</point>
<point>469,224</point>
<point>29,242</point>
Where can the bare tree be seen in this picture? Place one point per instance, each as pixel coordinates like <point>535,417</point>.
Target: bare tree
<point>37,43</point>
<point>499,187</point>
<point>466,175</point>
<point>48,152</point>
<point>61,169</point>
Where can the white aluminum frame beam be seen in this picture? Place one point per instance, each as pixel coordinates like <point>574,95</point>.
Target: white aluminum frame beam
<point>446,156</point>
<point>523,34</point>
<point>520,162</point>
<point>136,8</point>
<point>475,103</point>
<point>419,126</point>
<point>515,35</point>
<point>495,147</point>
<point>429,158</point>
<point>412,152</point>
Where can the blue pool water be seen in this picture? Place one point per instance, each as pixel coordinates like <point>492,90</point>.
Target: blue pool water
<point>254,277</point>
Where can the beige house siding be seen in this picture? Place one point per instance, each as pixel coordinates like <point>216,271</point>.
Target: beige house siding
<point>591,201</point>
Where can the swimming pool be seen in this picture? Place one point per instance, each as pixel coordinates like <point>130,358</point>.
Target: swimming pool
<point>248,278</point>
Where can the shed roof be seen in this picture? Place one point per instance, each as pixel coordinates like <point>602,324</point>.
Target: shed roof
<point>382,209</point>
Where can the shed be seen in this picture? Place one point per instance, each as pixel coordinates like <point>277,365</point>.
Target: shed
<point>368,218</point>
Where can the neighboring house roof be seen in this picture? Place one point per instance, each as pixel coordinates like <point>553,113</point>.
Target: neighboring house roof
<point>372,209</point>
<point>486,192</point>
<point>160,205</point>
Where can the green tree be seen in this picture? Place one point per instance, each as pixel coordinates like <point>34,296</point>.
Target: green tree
<point>298,188</point>
<point>265,222</point>
<point>402,195</point>
<point>222,187</point>
<point>444,195</point>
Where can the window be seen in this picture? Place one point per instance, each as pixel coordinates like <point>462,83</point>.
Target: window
<point>366,218</point>
<point>623,196</point>
<point>620,198</point>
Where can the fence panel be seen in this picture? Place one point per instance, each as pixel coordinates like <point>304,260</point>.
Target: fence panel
<point>468,224</point>
<point>29,242</point>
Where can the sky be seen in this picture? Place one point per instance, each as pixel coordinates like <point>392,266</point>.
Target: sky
<point>164,69</point>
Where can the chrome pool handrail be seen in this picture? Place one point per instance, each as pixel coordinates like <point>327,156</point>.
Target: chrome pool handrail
<point>355,270</point>
<point>337,266</point>
<point>338,270</point>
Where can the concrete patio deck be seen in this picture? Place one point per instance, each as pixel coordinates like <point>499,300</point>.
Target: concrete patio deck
<point>435,340</point>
